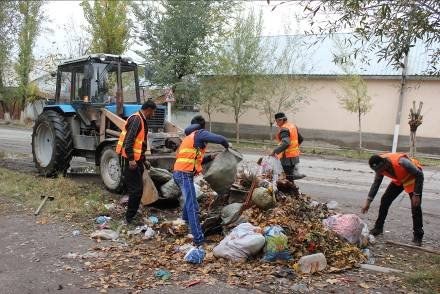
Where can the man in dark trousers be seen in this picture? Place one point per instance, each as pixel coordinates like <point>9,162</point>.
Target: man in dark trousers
<point>289,140</point>
<point>131,146</point>
<point>406,174</point>
<point>189,159</point>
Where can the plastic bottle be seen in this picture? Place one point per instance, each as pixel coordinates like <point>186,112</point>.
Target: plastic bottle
<point>312,263</point>
<point>370,258</point>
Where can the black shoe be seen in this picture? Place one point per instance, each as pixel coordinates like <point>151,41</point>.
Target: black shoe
<point>375,231</point>
<point>417,241</point>
<point>298,176</point>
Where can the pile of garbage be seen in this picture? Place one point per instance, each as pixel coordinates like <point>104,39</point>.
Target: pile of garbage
<point>254,225</point>
<point>297,225</point>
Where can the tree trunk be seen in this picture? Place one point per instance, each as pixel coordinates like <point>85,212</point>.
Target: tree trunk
<point>360,130</point>
<point>270,131</point>
<point>209,119</point>
<point>412,146</point>
<point>237,131</point>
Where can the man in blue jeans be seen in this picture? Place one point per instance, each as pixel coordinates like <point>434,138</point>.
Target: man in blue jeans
<point>189,159</point>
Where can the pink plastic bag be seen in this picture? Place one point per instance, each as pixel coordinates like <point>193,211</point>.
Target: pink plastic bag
<point>347,226</point>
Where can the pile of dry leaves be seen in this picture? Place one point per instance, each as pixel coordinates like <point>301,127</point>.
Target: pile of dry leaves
<point>302,223</point>
<point>133,264</point>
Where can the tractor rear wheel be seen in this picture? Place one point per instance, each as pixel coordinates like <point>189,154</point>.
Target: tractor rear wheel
<point>111,171</point>
<point>52,144</point>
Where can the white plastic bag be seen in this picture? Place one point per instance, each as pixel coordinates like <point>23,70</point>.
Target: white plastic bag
<point>244,240</point>
<point>347,226</point>
<point>271,166</point>
<point>105,235</point>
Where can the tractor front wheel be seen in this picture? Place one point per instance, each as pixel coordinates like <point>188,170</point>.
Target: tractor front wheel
<point>111,171</point>
<point>52,144</point>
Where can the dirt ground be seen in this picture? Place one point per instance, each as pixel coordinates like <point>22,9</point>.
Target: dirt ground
<point>32,249</point>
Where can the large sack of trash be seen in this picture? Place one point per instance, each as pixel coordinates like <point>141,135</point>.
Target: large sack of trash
<point>276,247</point>
<point>244,240</point>
<point>263,198</point>
<point>221,174</point>
<point>349,227</point>
<point>170,190</point>
<point>160,176</point>
<point>149,194</point>
<point>231,213</point>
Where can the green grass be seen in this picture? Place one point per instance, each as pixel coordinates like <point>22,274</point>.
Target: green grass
<point>73,200</point>
<point>427,278</point>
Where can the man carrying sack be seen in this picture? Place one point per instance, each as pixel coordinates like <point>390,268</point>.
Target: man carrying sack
<point>189,159</point>
<point>131,146</point>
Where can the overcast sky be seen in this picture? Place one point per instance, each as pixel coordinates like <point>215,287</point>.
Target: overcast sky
<point>61,13</point>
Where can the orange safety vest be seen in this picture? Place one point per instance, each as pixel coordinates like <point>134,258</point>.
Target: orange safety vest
<point>189,158</point>
<point>402,177</point>
<point>293,149</point>
<point>137,146</point>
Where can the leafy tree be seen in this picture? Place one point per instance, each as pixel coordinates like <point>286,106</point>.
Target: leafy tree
<point>282,88</point>
<point>77,42</point>
<point>186,92</point>
<point>180,36</point>
<point>239,64</point>
<point>354,97</point>
<point>8,30</point>
<point>211,97</point>
<point>393,25</point>
<point>109,25</point>
<point>30,20</point>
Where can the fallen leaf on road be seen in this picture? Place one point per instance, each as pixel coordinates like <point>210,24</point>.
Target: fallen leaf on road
<point>332,281</point>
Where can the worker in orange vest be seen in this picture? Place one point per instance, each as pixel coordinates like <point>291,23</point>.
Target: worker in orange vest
<point>289,140</point>
<point>131,146</point>
<point>189,159</point>
<point>406,174</point>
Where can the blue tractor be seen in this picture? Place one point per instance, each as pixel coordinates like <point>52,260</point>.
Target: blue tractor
<point>94,95</point>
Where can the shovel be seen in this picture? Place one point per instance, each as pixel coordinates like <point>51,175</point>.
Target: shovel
<point>45,198</point>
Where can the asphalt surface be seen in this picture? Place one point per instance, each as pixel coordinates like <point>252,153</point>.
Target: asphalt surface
<point>37,271</point>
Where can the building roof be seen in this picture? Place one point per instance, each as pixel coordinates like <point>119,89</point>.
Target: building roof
<point>317,54</point>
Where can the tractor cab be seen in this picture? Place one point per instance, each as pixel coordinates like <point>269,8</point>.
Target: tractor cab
<point>98,79</point>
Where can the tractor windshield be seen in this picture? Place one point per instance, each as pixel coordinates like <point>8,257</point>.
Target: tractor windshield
<point>104,86</point>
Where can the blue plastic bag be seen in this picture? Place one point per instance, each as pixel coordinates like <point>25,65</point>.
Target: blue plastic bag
<point>276,247</point>
<point>195,255</point>
<point>162,274</point>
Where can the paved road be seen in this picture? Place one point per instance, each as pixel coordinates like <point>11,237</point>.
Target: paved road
<point>34,265</point>
<point>345,181</point>
<point>15,140</point>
